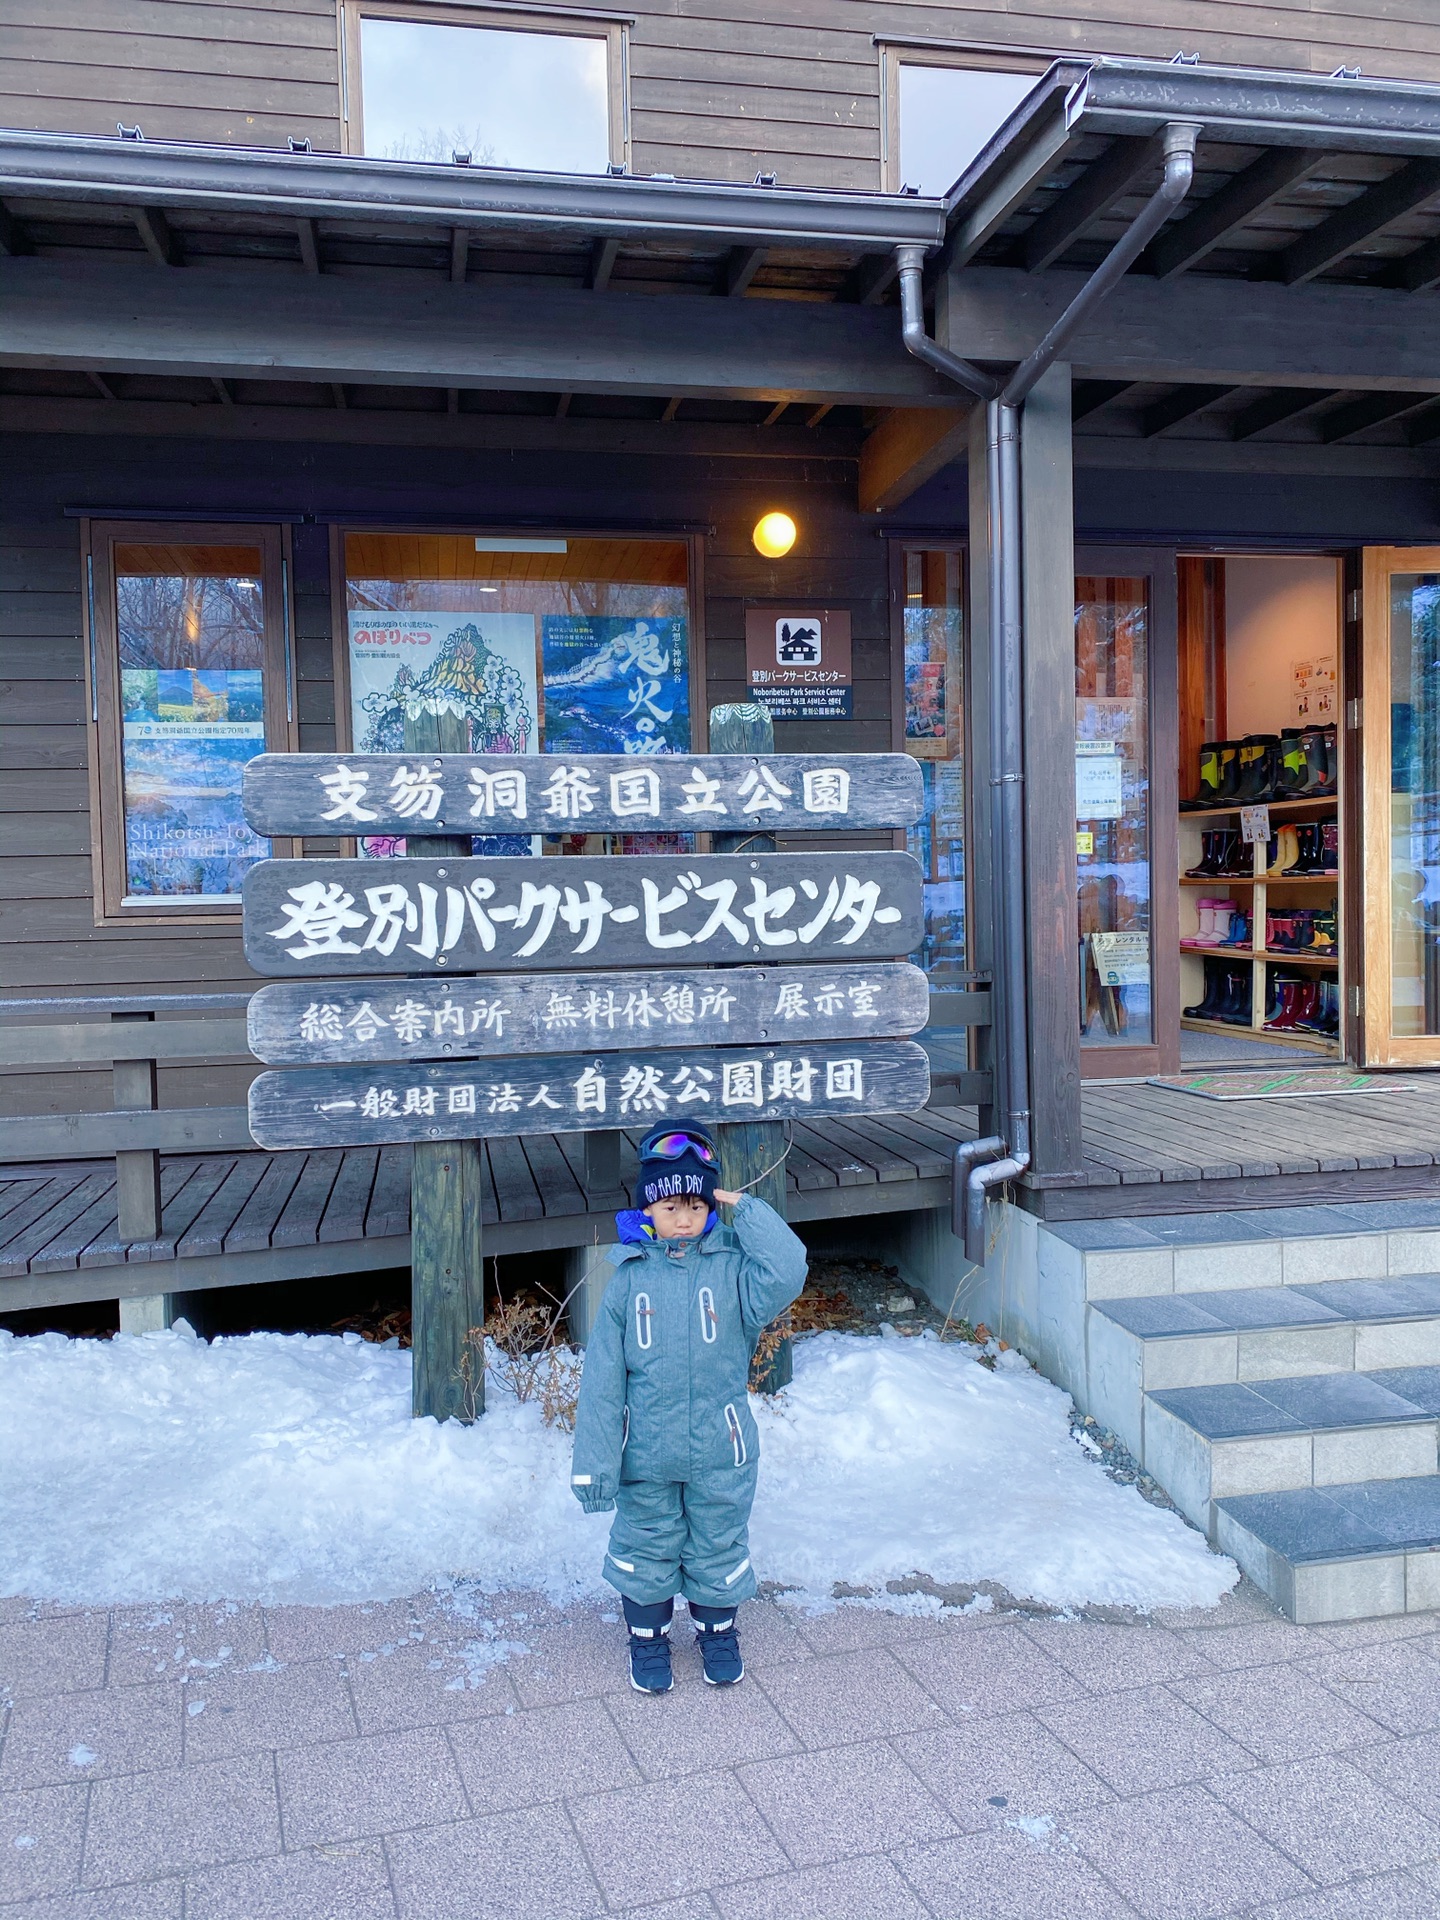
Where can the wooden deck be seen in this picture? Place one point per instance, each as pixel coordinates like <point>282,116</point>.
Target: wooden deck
<point>1154,1150</point>
<point>233,1218</point>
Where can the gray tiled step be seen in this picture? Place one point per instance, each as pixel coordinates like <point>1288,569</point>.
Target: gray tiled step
<point>1247,1309</point>
<point>1207,1444</point>
<point>1344,1552</point>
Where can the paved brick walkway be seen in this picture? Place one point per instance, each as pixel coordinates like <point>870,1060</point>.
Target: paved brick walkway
<point>377,1764</point>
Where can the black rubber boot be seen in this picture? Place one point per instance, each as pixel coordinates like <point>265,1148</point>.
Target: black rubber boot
<point>649,1647</point>
<point>718,1638</point>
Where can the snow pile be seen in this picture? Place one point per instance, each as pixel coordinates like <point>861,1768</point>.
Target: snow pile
<point>287,1468</point>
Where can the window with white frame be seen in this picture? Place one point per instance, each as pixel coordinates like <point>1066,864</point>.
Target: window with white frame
<point>941,110</point>
<point>536,92</point>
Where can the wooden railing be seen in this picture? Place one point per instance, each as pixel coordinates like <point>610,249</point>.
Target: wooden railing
<point>126,1034</point>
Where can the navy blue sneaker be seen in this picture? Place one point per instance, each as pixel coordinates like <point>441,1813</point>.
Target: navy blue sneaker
<point>649,1646</point>
<point>719,1641</point>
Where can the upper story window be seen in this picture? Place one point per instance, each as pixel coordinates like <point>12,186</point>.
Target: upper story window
<point>942,108</point>
<point>539,92</point>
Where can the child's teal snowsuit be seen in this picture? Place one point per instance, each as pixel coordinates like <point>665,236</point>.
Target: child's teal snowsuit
<point>664,1431</point>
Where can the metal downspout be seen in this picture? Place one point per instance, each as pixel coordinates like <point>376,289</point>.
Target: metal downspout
<point>978,1164</point>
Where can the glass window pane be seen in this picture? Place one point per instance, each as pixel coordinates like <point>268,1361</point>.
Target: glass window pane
<point>563,645</point>
<point>1415,803</point>
<point>934,712</point>
<point>1112,809</point>
<point>534,100</point>
<point>946,116</point>
<point>191,625</point>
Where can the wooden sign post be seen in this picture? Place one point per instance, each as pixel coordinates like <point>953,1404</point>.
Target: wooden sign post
<point>447,1192</point>
<point>507,996</point>
<point>753,1151</point>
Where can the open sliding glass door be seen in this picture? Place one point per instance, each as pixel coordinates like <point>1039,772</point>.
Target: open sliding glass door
<point>1401,806</point>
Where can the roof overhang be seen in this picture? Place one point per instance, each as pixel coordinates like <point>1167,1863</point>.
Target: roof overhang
<point>324,186</point>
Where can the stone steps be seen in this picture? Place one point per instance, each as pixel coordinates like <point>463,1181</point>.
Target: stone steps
<point>1339,1553</point>
<point>1277,1371</point>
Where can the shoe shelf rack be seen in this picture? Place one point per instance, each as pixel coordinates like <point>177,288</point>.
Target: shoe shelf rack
<point>1262,892</point>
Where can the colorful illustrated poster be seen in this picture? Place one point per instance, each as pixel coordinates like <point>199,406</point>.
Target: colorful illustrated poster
<point>479,666</point>
<point>186,735</point>
<point>615,685</point>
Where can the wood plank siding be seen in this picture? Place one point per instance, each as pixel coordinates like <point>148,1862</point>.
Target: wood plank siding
<point>718,90</point>
<point>49,940</point>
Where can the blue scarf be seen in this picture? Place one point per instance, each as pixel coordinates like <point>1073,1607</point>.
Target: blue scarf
<point>636,1230</point>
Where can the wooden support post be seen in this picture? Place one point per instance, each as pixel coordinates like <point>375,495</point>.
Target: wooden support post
<point>137,1180</point>
<point>755,1147</point>
<point>602,1165</point>
<point>447,1191</point>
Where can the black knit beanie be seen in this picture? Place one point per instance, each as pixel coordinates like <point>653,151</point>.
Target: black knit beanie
<point>686,1177</point>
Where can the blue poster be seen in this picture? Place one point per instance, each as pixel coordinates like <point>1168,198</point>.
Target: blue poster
<point>615,684</point>
<point>186,735</point>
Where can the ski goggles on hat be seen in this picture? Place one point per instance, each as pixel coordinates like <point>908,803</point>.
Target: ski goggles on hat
<point>674,1146</point>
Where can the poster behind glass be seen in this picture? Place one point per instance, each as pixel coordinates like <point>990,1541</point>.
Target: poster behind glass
<point>1112,810</point>
<point>934,735</point>
<point>548,645</point>
<point>191,657</point>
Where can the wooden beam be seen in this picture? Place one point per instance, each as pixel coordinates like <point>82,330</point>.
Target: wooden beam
<point>1350,227</point>
<point>909,446</point>
<point>1213,221</point>
<point>432,334</point>
<point>603,255</point>
<point>222,392</point>
<point>154,230</point>
<point>814,418</point>
<point>337,394</point>
<point>308,235</point>
<point>1271,409</point>
<point>1090,395</point>
<point>1203,328</point>
<point>431,426</point>
<point>452,400</point>
<point>871,280</point>
<point>459,254</point>
<point>741,266</point>
<point>102,386</point>
<point>1418,272</point>
<point>1367,410</point>
<point>672,407</point>
<point>775,412</point>
<point>1424,427</point>
<point>1087,199</point>
<point>562,405</point>
<point>1176,407</point>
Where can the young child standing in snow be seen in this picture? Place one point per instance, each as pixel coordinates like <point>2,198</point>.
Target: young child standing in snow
<point>664,1431</point>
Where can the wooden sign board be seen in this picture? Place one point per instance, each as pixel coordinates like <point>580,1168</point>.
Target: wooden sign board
<point>395,793</point>
<point>577,1092</point>
<point>797,662</point>
<point>318,917</point>
<point>295,1023</point>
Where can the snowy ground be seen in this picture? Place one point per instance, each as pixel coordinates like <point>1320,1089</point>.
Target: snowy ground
<point>286,1468</point>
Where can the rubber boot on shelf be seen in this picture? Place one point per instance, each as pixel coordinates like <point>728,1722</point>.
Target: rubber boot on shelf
<point>1204,868</point>
<point>1324,930</point>
<point>1238,998</point>
<point>1286,851</point>
<point>1232,856</point>
<point>1204,934</point>
<point>1293,769</point>
<point>1307,834</point>
<point>1282,1016</point>
<point>1207,793</point>
<point>1205,1007</point>
<point>1330,846</point>
<point>1321,754</point>
<point>1227,754</point>
<point>1307,1005</point>
<point>1239,934</point>
<point>1259,758</point>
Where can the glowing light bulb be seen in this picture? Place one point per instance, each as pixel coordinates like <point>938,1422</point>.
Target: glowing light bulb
<point>774,535</point>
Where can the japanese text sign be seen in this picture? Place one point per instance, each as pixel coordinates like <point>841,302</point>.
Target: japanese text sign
<point>572,1093</point>
<point>294,1023</point>
<point>320,917</point>
<point>798,663</point>
<point>393,793</point>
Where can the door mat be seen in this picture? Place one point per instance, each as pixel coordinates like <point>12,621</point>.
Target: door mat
<point>1263,1083</point>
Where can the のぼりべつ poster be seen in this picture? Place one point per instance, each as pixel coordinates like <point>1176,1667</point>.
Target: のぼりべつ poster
<point>615,684</point>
